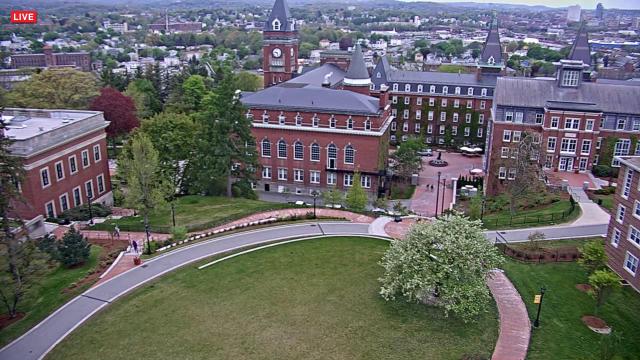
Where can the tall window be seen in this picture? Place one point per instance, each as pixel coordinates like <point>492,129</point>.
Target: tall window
<point>96,153</point>
<point>85,158</point>
<point>77,198</point>
<point>315,121</point>
<point>332,122</point>
<point>298,119</point>
<point>349,123</point>
<point>100,179</point>
<point>367,125</point>
<point>570,78</point>
<point>282,149</point>
<point>315,152</point>
<point>73,166</point>
<point>59,171</point>
<point>332,155</point>
<point>266,148</point>
<point>89,188</point>
<point>266,172</point>
<point>349,155</point>
<point>298,151</point>
<point>44,176</point>
<point>626,187</point>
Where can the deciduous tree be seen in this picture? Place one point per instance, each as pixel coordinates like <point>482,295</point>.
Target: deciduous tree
<point>119,110</point>
<point>407,161</point>
<point>145,97</point>
<point>592,256</point>
<point>55,89</point>
<point>603,283</point>
<point>444,263</point>
<point>356,198</point>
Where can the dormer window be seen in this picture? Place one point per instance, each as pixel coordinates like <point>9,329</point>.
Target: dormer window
<point>483,92</point>
<point>407,87</point>
<point>570,78</point>
<point>419,88</point>
<point>265,117</point>
<point>395,87</point>
<point>432,89</point>
<point>491,60</point>
<point>445,89</point>
<point>470,91</point>
<point>378,75</point>
<point>276,24</point>
<point>281,118</point>
<point>457,91</point>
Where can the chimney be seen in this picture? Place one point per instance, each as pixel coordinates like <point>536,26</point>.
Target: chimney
<point>326,83</point>
<point>384,96</point>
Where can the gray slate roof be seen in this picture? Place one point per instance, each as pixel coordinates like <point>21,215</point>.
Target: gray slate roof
<point>435,77</point>
<point>312,98</point>
<point>580,49</point>
<point>492,46</point>
<point>523,92</point>
<point>632,161</point>
<point>281,12</point>
<point>357,68</point>
<point>315,76</point>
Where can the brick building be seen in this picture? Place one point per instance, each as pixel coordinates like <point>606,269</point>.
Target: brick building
<point>48,59</point>
<point>576,121</point>
<point>314,130</point>
<point>64,153</point>
<point>623,236</point>
<point>445,109</point>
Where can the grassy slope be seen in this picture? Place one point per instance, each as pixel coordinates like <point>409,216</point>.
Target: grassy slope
<point>196,213</point>
<point>544,212</point>
<point>47,296</point>
<point>562,334</point>
<point>316,299</point>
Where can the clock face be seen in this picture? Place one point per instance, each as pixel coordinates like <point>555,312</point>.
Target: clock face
<point>276,52</point>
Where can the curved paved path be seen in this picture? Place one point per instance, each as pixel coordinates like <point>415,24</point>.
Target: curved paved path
<point>38,341</point>
<point>44,336</point>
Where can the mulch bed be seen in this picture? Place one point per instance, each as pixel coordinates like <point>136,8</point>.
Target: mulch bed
<point>560,254</point>
<point>583,287</point>
<point>5,320</point>
<point>594,322</point>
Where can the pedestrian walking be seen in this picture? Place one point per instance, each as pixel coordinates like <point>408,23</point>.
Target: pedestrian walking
<point>135,245</point>
<point>117,231</point>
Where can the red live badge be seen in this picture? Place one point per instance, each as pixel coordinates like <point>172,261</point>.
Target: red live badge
<point>24,16</point>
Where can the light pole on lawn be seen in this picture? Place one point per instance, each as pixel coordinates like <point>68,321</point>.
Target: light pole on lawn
<point>438,192</point>
<point>315,194</point>
<point>444,190</point>
<point>536,322</point>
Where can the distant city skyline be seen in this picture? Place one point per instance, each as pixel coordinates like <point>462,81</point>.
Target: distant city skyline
<point>585,4</point>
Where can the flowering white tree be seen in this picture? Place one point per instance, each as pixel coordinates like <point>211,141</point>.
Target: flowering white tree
<point>444,263</point>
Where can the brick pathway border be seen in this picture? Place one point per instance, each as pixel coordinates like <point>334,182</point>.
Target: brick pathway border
<point>515,326</point>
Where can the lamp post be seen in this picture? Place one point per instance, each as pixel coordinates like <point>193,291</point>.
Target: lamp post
<point>438,192</point>
<point>444,191</point>
<point>315,194</point>
<point>536,322</point>
<point>146,230</point>
<point>484,202</point>
<point>90,211</point>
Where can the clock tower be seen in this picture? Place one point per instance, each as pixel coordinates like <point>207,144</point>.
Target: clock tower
<point>280,46</point>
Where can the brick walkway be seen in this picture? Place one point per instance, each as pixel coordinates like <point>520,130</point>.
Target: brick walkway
<point>515,327</point>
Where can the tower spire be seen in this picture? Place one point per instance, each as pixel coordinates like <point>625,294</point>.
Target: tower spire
<point>492,50</point>
<point>357,77</point>
<point>580,50</point>
<point>280,18</point>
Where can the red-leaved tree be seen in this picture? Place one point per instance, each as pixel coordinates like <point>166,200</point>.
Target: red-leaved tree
<point>119,109</point>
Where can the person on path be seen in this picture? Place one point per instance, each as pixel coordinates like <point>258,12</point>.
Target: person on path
<point>135,245</point>
<point>117,231</point>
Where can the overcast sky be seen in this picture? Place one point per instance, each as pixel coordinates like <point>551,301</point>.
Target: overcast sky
<point>586,4</point>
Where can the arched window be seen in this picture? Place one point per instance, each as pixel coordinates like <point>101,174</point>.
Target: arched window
<point>298,119</point>
<point>332,155</point>
<point>349,123</point>
<point>407,87</point>
<point>298,151</point>
<point>281,118</point>
<point>491,60</point>
<point>378,75</point>
<point>349,155</point>
<point>265,117</point>
<point>419,88</point>
<point>315,120</point>
<point>367,125</point>
<point>332,122</point>
<point>483,92</point>
<point>315,152</point>
<point>249,115</point>
<point>395,87</point>
<point>276,24</point>
<point>432,89</point>
<point>457,90</point>
<point>445,89</point>
<point>266,148</point>
<point>282,149</point>
<point>470,91</point>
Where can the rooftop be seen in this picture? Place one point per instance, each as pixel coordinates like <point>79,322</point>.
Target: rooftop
<point>631,161</point>
<point>35,130</point>
<point>527,92</point>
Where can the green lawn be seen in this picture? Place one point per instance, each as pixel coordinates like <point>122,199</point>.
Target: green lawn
<point>562,334</point>
<point>48,295</point>
<point>195,213</point>
<point>547,215</point>
<point>553,244</point>
<point>607,200</point>
<point>315,299</point>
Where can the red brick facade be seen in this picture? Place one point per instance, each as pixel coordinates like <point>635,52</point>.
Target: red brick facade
<point>80,60</point>
<point>39,198</point>
<point>623,237</point>
<point>280,56</point>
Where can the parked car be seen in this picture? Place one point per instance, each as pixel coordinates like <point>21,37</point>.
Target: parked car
<point>425,152</point>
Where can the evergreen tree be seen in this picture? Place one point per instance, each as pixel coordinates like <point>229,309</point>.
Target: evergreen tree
<point>226,148</point>
<point>74,248</point>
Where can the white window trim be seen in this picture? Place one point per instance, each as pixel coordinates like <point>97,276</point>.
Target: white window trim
<point>104,186</point>
<point>42,170</point>
<point>75,160</point>
<point>79,188</point>
<point>82,158</point>
<point>631,229</point>
<point>94,153</point>
<point>55,167</point>
<point>93,193</point>
<point>53,206</point>
<point>624,263</point>
<point>65,195</point>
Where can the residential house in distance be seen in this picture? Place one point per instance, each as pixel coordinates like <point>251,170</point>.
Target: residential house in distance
<point>623,236</point>
<point>64,153</point>
<point>577,122</point>
<point>48,59</point>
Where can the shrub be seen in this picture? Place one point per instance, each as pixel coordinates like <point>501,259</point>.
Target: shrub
<point>74,248</point>
<point>179,233</point>
<point>49,244</point>
<point>81,213</point>
<point>608,190</point>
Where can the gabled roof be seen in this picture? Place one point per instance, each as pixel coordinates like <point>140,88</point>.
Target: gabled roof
<point>357,68</point>
<point>580,50</point>
<point>280,12</point>
<point>492,48</point>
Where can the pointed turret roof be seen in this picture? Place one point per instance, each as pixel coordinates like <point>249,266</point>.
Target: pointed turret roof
<point>580,50</point>
<point>357,67</point>
<point>492,51</point>
<point>281,13</point>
